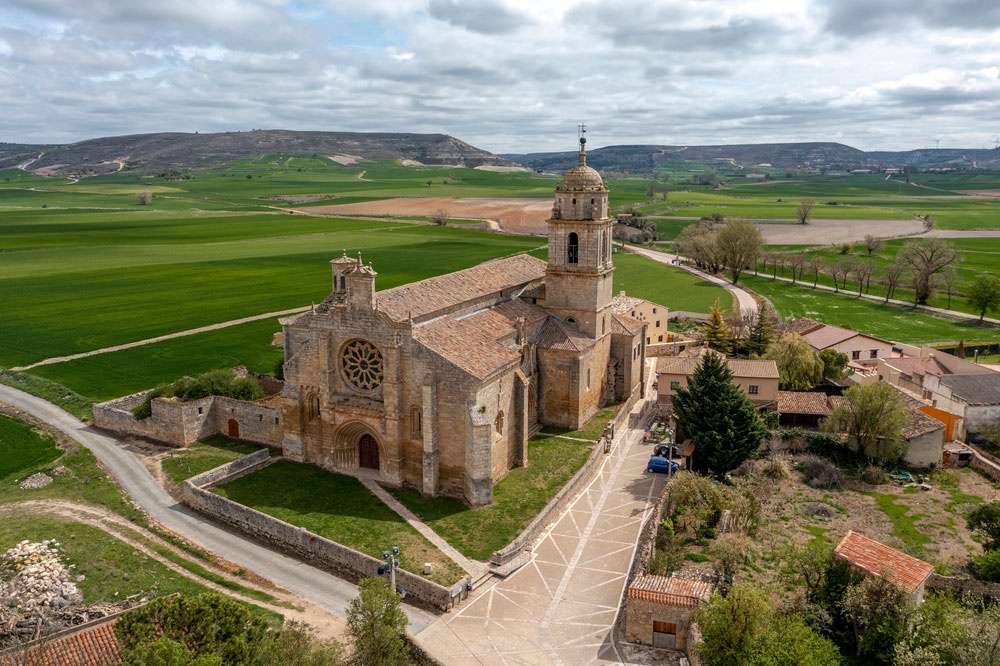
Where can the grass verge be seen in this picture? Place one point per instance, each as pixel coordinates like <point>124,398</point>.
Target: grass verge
<point>181,464</point>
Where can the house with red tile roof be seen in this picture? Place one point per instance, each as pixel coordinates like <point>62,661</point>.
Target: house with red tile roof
<point>863,351</point>
<point>660,610</point>
<point>877,559</point>
<point>758,379</point>
<point>90,644</point>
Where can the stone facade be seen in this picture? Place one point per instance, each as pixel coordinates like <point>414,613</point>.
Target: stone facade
<point>184,423</point>
<point>437,384</point>
<point>661,610</point>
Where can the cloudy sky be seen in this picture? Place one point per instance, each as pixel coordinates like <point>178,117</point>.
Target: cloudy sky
<point>509,75</point>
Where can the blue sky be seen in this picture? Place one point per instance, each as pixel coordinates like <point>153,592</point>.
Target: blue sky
<point>509,75</point>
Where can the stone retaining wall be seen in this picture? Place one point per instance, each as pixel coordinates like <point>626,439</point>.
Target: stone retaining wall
<point>984,463</point>
<point>298,541</point>
<point>962,586</point>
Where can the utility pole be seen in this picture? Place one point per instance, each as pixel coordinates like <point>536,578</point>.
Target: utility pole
<point>390,566</point>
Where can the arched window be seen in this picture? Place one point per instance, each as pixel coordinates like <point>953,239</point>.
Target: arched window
<point>499,423</point>
<point>573,249</point>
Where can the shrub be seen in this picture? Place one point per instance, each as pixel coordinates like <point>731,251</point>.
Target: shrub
<point>775,468</point>
<point>818,510</point>
<point>696,557</point>
<point>874,475</point>
<point>819,472</point>
<point>706,532</point>
<point>988,566</point>
<point>216,382</point>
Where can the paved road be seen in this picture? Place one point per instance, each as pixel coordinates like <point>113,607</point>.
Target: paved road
<point>325,590</point>
<point>559,609</point>
<point>748,304</point>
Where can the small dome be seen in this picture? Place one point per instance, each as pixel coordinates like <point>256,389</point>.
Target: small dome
<point>581,178</point>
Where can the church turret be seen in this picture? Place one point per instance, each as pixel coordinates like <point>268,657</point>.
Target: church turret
<point>579,275</point>
<point>361,285</point>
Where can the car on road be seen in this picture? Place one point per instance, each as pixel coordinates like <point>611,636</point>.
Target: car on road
<point>662,465</point>
<point>666,450</point>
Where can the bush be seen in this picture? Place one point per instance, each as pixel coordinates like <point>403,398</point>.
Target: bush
<point>706,532</point>
<point>819,472</point>
<point>874,475</point>
<point>988,566</point>
<point>216,382</point>
<point>775,468</point>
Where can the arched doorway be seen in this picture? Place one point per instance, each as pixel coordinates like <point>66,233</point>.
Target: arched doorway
<point>368,452</point>
<point>234,428</point>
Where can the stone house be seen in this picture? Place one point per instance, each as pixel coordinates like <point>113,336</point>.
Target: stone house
<point>438,384</point>
<point>973,398</point>
<point>660,610</point>
<point>873,558</point>
<point>659,341</point>
<point>758,379</point>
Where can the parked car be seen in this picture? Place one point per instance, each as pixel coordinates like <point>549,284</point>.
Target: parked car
<point>661,464</point>
<point>665,450</point>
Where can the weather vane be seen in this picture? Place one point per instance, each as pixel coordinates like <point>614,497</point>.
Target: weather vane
<point>582,127</point>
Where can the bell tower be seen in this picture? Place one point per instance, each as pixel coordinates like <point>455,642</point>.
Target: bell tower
<point>579,274</point>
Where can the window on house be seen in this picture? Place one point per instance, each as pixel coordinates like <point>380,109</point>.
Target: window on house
<point>654,312</point>
<point>657,323</point>
<point>674,384</point>
<point>201,410</point>
<point>648,341</point>
<point>873,353</point>
<point>855,355</point>
<point>573,250</point>
<point>753,389</point>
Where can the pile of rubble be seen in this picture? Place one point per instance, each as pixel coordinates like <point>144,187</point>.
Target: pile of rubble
<point>38,480</point>
<point>32,577</point>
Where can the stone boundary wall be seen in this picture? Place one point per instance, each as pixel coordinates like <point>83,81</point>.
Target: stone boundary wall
<point>961,586</point>
<point>984,463</point>
<point>562,498</point>
<point>298,541</point>
<point>184,423</point>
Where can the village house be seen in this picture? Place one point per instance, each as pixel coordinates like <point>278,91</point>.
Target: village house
<point>876,559</point>
<point>660,610</point>
<point>659,341</point>
<point>758,379</point>
<point>863,351</point>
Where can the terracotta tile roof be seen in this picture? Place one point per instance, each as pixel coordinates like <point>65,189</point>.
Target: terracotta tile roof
<point>625,325</point>
<point>670,591</point>
<point>425,298</point>
<point>93,646</point>
<point>557,334</point>
<point>920,423</point>
<point>975,389</point>
<point>758,369</point>
<point>926,365</point>
<point>803,402</point>
<point>741,368</point>
<point>623,304</point>
<point>826,336</point>
<point>802,325</point>
<point>877,559</point>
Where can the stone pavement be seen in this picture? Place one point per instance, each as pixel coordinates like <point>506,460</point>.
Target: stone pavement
<point>474,569</point>
<point>560,608</point>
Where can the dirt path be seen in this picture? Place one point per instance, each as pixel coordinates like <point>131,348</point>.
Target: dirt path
<point>326,625</point>
<point>161,338</point>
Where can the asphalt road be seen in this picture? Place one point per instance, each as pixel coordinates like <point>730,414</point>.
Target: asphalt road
<point>323,589</point>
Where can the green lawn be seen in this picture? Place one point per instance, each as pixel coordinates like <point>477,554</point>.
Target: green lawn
<point>24,448</point>
<point>677,289</point>
<point>338,508</point>
<point>518,497</point>
<point>898,324</point>
<point>182,464</point>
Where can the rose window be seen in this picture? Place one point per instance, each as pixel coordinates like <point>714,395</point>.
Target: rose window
<point>361,363</point>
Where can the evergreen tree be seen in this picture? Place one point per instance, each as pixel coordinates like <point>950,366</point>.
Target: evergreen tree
<point>716,331</point>
<point>763,330</point>
<point>723,423</point>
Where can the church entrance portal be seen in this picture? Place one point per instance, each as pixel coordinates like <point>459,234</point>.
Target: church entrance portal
<point>368,452</point>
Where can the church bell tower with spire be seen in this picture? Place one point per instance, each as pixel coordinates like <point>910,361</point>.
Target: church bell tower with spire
<point>578,280</point>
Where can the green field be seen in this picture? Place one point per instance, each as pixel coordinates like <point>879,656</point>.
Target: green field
<point>83,265</point>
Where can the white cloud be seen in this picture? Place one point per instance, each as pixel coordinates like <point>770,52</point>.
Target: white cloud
<point>507,75</point>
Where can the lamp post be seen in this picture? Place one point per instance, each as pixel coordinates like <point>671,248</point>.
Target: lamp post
<point>390,566</point>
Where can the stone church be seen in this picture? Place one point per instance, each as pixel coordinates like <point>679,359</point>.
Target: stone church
<point>438,384</point>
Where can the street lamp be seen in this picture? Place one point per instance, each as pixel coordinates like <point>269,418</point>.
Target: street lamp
<point>390,566</point>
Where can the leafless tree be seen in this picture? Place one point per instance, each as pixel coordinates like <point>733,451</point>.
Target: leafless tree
<point>816,264</point>
<point>873,244</point>
<point>698,241</point>
<point>927,258</point>
<point>441,216</point>
<point>862,272</point>
<point>803,212</point>
<point>144,198</point>
<point>839,269</point>
<point>798,263</point>
<point>893,276</point>
<point>738,244</point>
<point>948,276</point>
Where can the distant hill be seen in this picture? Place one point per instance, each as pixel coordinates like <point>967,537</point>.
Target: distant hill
<point>179,152</point>
<point>638,159</point>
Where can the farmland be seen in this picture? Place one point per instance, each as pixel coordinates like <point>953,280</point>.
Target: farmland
<point>85,265</point>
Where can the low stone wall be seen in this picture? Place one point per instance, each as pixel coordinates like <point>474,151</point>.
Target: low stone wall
<point>298,541</point>
<point>962,586</point>
<point>984,463</point>
<point>557,504</point>
<point>184,423</point>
